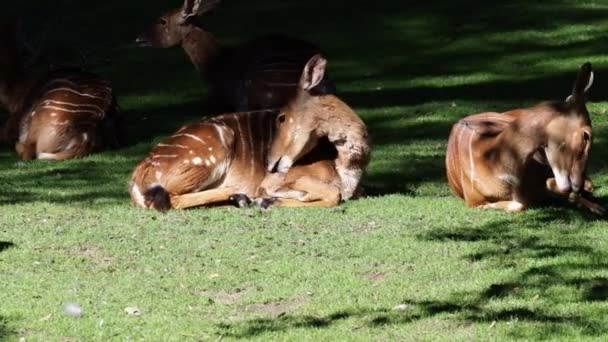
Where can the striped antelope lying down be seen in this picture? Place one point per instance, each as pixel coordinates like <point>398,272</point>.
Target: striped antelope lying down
<point>526,156</point>
<point>209,162</point>
<point>58,115</point>
<point>259,74</point>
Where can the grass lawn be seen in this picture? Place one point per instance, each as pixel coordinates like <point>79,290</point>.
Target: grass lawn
<point>410,262</point>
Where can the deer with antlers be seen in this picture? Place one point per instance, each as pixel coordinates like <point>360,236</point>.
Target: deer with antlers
<point>259,74</point>
<point>525,157</point>
<point>59,114</point>
<point>234,155</point>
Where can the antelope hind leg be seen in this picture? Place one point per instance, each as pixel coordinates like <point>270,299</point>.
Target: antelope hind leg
<point>202,198</point>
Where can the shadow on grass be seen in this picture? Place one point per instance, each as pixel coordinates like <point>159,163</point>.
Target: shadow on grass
<point>554,283</point>
<point>396,42</point>
<point>5,245</point>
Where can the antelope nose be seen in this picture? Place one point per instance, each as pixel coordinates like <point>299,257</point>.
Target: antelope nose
<point>141,41</point>
<point>576,187</point>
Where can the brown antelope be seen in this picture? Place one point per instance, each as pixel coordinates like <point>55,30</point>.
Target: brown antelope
<point>212,161</point>
<point>58,115</point>
<point>525,156</point>
<point>260,74</point>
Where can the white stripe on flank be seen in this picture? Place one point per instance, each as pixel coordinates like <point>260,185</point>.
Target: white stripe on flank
<point>220,133</point>
<point>471,161</point>
<point>172,145</point>
<point>251,148</point>
<point>164,156</point>
<point>45,102</point>
<point>458,142</point>
<point>71,110</point>
<point>238,125</point>
<point>75,92</point>
<point>191,136</point>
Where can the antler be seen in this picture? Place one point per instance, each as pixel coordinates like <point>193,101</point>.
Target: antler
<point>193,8</point>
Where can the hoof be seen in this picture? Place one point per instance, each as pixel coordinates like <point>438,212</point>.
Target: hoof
<point>240,200</point>
<point>266,203</point>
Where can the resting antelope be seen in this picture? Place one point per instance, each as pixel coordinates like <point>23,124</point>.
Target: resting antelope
<point>211,161</point>
<point>56,115</point>
<point>525,156</point>
<point>260,74</point>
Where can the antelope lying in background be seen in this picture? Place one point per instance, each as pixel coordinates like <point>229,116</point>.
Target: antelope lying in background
<point>58,115</point>
<point>526,156</point>
<point>260,74</point>
<point>212,161</point>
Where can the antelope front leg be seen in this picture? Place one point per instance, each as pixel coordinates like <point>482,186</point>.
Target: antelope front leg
<point>577,198</point>
<point>508,206</point>
<point>205,197</point>
<point>305,191</point>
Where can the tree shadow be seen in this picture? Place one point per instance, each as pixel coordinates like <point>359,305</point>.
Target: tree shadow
<point>402,53</point>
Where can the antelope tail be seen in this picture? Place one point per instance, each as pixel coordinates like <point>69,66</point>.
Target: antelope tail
<point>156,197</point>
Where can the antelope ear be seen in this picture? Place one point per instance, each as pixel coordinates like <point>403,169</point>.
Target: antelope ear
<point>583,83</point>
<point>193,8</point>
<point>313,72</point>
<point>188,10</point>
<point>484,127</point>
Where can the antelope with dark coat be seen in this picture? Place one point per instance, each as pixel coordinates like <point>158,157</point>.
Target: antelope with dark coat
<point>524,157</point>
<point>58,114</point>
<point>259,74</point>
<point>217,159</point>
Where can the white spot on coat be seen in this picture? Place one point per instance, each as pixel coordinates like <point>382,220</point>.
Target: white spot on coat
<point>213,160</point>
<point>197,161</point>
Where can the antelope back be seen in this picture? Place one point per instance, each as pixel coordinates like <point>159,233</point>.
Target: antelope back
<point>69,114</point>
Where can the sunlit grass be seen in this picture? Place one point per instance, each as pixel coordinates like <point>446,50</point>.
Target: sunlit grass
<point>410,262</point>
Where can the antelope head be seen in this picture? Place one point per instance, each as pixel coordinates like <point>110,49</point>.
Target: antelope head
<point>569,136</point>
<point>170,29</point>
<point>297,123</point>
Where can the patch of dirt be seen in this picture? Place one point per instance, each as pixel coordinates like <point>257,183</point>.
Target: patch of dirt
<point>226,297</point>
<point>277,308</point>
<point>375,275</point>
<point>93,253</point>
<point>362,228</point>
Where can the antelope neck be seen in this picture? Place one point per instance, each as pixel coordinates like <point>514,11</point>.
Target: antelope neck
<point>523,137</point>
<point>201,47</point>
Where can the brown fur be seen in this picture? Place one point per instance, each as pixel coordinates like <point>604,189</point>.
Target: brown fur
<point>59,114</point>
<point>507,161</point>
<point>308,118</point>
<point>258,74</point>
<point>207,162</point>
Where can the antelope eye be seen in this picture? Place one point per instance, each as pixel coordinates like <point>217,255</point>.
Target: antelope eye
<point>281,118</point>
<point>163,21</point>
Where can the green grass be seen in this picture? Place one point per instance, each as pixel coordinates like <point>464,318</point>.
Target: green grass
<point>410,262</point>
